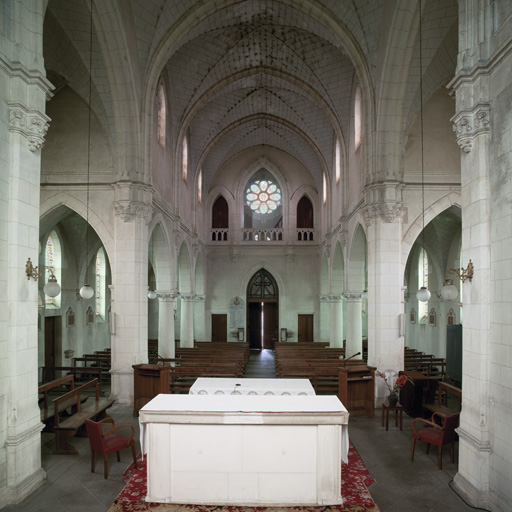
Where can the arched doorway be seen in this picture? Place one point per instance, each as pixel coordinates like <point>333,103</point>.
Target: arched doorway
<point>262,310</point>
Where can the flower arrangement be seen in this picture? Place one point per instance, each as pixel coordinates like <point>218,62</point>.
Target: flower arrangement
<point>399,383</point>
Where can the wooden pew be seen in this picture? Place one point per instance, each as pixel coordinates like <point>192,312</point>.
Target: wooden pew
<point>443,392</point>
<point>67,427</point>
<point>57,386</point>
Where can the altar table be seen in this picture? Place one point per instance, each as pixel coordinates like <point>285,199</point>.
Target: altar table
<point>243,449</point>
<point>230,386</point>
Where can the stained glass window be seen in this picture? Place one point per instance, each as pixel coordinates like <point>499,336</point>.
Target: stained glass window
<point>422,281</point>
<point>52,261</point>
<point>263,196</point>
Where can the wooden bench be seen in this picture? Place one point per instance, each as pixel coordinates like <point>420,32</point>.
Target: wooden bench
<point>442,407</point>
<point>57,386</point>
<point>67,427</point>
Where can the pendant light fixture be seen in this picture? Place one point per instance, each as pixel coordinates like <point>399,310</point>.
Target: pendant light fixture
<point>87,291</point>
<point>423,294</point>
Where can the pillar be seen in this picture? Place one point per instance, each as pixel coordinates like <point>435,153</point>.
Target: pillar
<point>354,324</point>
<point>187,321</point>
<point>200,317</point>
<point>129,292</point>
<point>23,126</point>
<point>336,324</point>
<point>166,341</point>
<point>383,217</point>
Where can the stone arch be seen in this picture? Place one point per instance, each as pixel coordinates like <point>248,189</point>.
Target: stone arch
<point>159,256</point>
<point>358,261</point>
<point>338,271</point>
<point>416,227</point>
<point>184,270</point>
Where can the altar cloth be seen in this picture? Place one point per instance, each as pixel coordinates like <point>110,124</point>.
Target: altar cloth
<point>232,386</point>
<point>244,449</point>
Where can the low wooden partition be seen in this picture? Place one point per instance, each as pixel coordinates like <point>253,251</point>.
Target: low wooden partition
<point>357,389</point>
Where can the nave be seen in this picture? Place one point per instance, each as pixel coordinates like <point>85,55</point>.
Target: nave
<point>400,485</point>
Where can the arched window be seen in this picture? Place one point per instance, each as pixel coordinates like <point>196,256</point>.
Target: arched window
<point>220,214</point>
<point>358,107</point>
<point>324,191</point>
<point>162,116</point>
<point>304,220</point>
<point>100,281</point>
<point>184,159</point>
<point>53,264</point>
<point>200,186</point>
<point>337,160</point>
<point>422,281</point>
<point>262,286</point>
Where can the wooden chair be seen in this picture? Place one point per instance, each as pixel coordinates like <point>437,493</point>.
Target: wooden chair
<point>108,441</point>
<point>438,435</point>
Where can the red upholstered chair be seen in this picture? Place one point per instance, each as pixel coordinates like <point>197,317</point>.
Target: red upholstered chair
<point>108,441</point>
<point>438,435</point>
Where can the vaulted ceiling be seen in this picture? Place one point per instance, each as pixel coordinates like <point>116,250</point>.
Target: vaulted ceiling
<point>248,73</point>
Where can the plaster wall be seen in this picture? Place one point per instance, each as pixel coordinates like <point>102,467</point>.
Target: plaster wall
<point>298,272</point>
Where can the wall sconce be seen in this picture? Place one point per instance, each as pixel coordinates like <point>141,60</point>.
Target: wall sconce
<point>464,273</point>
<point>51,288</point>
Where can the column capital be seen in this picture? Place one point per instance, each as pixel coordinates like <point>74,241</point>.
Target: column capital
<point>383,200</point>
<point>31,124</point>
<point>128,211</point>
<point>166,296</point>
<point>188,297</point>
<point>332,298</point>
<point>469,124</point>
<point>353,296</point>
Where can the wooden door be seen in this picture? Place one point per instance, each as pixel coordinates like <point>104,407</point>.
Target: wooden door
<point>52,344</point>
<point>270,324</point>
<point>254,325</point>
<point>305,328</point>
<point>219,327</point>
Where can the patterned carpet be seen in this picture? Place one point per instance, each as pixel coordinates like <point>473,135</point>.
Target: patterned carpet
<point>354,489</point>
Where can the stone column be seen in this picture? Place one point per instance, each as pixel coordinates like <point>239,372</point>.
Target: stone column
<point>132,214</point>
<point>354,324</point>
<point>325,318</point>
<point>336,337</point>
<point>24,91</point>
<point>187,320</point>
<point>200,317</point>
<point>472,125</point>
<point>383,217</point>
<point>166,341</point>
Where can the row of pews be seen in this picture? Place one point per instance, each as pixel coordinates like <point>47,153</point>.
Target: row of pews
<point>65,405</point>
<point>206,359</point>
<point>427,364</point>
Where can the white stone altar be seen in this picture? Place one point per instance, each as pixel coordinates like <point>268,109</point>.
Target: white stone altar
<point>231,386</point>
<point>243,449</point>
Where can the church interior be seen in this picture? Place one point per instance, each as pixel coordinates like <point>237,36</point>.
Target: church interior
<point>269,173</point>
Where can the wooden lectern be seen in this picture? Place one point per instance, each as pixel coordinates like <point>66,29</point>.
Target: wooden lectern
<point>356,389</point>
<point>149,380</point>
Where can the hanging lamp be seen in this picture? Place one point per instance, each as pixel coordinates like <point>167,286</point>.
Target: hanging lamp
<point>423,294</point>
<point>87,291</point>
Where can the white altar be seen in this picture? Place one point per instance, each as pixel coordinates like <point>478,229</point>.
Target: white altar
<point>243,449</point>
<point>231,386</point>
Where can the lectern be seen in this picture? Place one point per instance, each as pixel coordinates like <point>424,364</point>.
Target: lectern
<point>356,389</point>
<point>149,380</point>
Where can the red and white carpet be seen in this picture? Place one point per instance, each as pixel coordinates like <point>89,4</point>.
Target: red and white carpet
<point>354,489</point>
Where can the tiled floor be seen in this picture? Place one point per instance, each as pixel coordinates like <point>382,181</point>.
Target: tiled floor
<point>400,485</point>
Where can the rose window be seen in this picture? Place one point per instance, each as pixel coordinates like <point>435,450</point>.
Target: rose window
<point>263,196</point>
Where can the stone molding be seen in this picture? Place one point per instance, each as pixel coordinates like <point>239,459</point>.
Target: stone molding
<point>330,299</point>
<point>167,296</point>
<point>200,298</point>
<point>31,124</point>
<point>353,296</point>
<point>128,211</point>
<point>467,125</point>
<point>388,212</point>
<point>188,297</point>
<point>24,436</point>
